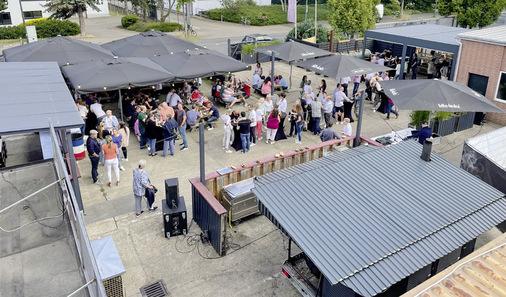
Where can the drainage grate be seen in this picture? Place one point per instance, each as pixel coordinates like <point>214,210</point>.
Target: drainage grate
<point>155,290</point>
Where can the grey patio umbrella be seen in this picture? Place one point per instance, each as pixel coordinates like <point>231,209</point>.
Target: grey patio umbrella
<point>115,74</point>
<point>292,51</point>
<point>436,95</point>
<point>62,50</point>
<point>340,66</point>
<point>198,63</point>
<point>149,44</point>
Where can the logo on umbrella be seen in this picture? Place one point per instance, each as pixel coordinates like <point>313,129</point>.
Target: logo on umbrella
<point>394,92</point>
<point>442,105</point>
<point>361,70</point>
<point>307,54</point>
<point>318,67</point>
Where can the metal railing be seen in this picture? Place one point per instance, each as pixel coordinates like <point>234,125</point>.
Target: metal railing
<point>208,212</point>
<point>89,267</point>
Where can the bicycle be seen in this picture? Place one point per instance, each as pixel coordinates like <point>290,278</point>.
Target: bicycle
<point>245,21</point>
<point>191,31</point>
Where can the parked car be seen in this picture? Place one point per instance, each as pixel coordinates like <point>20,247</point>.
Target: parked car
<point>256,38</point>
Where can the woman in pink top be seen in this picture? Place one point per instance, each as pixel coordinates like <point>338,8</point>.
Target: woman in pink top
<point>266,86</point>
<point>110,151</point>
<point>272,126</point>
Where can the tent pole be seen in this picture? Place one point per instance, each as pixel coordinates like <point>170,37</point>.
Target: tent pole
<point>291,65</point>
<point>272,73</point>
<point>359,125</point>
<point>120,104</point>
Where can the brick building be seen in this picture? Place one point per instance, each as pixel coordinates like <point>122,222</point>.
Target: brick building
<point>482,66</point>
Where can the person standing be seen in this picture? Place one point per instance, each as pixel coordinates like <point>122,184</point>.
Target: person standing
<point>140,184</point>
<point>298,122</point>
<point>118,141</point>
<point>397,69</point>
<point>339,98</point>
<point>181,121</point>
<point>329,133</point>
<point>173,99</point>
<point>268,106</point>
<point>327,107</point>
<point>252,115</point>
<point>259,118</point>
<point>169,135</point>
<point>227,131</point>
<point>316,114</point>
<point>272,126</point>
<point>414,65</point>
<point>125,133</point>
<point>83,111</point>
<point>258,69</point>
<point>356,83</point>
<point>244,126</point>
<point>344,83</point>
<point>151,134</point>
<point>282,103</point>
<point>391,109</point>
<point>93,152</point>
<point>110,151</point>
<point>110,121</point>
<point>141,117</point>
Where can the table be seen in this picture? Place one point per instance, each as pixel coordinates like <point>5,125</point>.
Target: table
<point>280,134</point>
<point>395,137</point>
<point>348,106</point>
<point>236,144</point>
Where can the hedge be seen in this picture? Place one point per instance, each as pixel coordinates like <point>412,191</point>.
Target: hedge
<point>265,15</point>
<point>129,20</point>
<point>248,49</point>
<point>163,27</point>
<point>45,28</point>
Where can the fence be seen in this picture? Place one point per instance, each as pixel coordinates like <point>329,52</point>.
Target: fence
<point>208,212</point>
<point>88,264</point>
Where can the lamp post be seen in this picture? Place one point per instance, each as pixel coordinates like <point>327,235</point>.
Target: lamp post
<point>24,23</point>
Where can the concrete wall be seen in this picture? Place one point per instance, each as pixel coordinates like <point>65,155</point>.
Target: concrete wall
<point>487,60</point>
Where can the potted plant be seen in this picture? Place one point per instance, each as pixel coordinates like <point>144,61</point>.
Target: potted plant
<point>417,117</point>
<point>444,123</point>
<point>464,121</point>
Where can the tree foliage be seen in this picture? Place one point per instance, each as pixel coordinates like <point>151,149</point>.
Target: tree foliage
<point>3,5</point>
<point>351,17</point>
<point>306,30</point>
<point>472,13</point>
<point>65,9</point>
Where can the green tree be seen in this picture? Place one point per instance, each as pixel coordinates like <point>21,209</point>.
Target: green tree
<point>3,5</point>
<point>472,13</point>
<point>351,17</point>
<point>64,9</point>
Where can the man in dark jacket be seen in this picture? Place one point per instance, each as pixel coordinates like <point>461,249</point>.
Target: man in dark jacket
<point>423,134</point>
<point>169,135</point>
<point>93,152</point>
<point>244,131</point>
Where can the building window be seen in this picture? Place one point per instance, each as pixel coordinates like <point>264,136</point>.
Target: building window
<point>501,88</point>
<point>32,14</point>
<point>5,18</point>
<point>478,83</point>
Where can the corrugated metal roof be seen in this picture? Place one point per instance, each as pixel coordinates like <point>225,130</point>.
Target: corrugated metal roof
<point>482,273</point>
<point>371,220</point>
<point>427,32</point>
<point>494,35</point>
<point>330,159</point>
<point>32,93</point>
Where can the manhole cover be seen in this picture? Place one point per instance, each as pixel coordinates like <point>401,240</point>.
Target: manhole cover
<point>155,290</point>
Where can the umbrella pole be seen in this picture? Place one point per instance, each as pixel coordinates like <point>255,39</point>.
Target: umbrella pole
<point>359,125</point>
<point>272,73</point>
<point>291,65</point>
<point>120,104</point>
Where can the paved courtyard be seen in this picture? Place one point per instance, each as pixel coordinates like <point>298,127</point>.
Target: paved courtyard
<point>252,266</point>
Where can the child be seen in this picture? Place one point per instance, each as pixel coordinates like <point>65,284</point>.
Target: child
<point>347,128</point>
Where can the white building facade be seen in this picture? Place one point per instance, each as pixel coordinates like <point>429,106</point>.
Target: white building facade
<point>34,10</point>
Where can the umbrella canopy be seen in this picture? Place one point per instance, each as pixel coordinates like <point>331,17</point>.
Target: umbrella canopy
<point>149,44</point>
<point>62,50</point>
<point>340,66</point>
<point>436,95</point>
<point>292,51</point>
<point>115,74</point>
<point>198,63</point>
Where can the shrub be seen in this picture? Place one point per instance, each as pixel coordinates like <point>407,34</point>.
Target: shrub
<point>12,32</point>
<point>30,22</point>
<point>306,30</point>
<point>47,28</point>
<point>163,27</point>
<point>129,20</point>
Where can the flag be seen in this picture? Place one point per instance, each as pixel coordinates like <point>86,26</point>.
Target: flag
<point>292,6</point>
